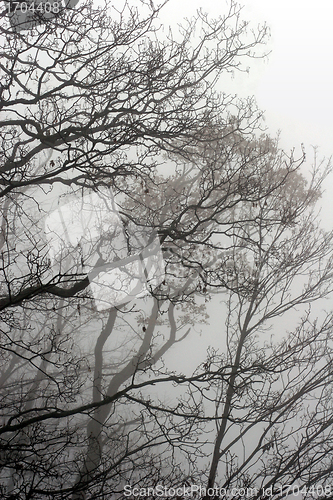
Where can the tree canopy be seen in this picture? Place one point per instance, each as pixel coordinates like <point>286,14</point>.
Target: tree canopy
<point>136,196</point>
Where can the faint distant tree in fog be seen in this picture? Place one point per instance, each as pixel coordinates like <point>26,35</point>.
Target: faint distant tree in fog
<point>92,101</point>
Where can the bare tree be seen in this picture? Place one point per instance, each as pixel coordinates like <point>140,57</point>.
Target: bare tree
<point>273,424</point>
<point>109,120</point>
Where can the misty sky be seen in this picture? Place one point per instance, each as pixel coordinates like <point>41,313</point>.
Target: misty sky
<point>294,84</point>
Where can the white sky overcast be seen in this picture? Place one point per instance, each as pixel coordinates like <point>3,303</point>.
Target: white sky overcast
<point>294,85</point>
